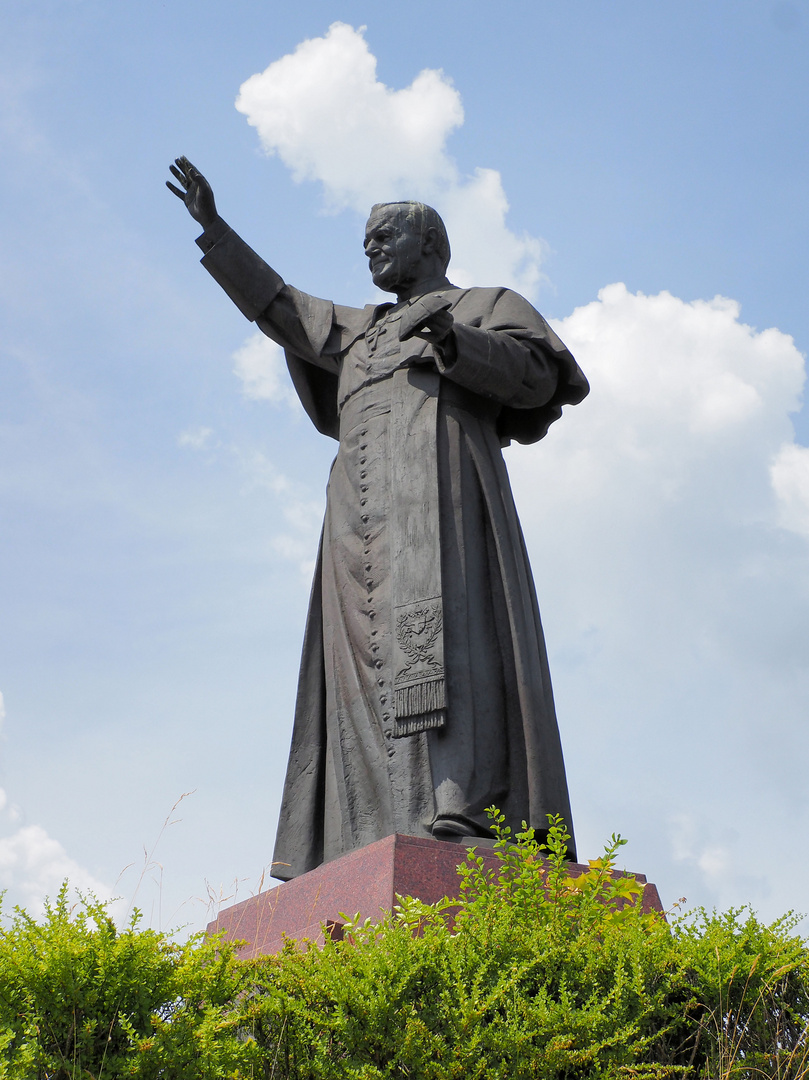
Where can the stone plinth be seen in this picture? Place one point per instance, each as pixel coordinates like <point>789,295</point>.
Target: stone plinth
<point>365,882</point>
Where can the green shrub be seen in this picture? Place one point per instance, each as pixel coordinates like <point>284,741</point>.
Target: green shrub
<point>532,973</point>
<point>72,985</point>
<point>81,999</point>
<point>749,1004</point>
<point>539,974</point>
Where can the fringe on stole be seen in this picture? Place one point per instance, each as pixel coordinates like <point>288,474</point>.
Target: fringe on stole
<point>419,707</point>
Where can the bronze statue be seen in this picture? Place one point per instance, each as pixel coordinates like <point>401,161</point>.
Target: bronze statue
<point>424,693</point>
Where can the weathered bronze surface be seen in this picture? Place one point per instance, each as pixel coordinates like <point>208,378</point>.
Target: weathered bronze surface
<point>424,693</point>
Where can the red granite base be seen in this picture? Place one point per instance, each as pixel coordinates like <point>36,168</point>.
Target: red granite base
<point>365,882</point>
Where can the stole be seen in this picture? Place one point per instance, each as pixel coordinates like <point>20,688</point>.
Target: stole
<point>419,681</point>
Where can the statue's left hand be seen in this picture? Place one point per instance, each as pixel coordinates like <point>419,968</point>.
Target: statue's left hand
<point>427,318</point>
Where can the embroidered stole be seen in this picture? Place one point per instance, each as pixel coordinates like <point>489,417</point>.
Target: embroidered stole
<point>418,615</point>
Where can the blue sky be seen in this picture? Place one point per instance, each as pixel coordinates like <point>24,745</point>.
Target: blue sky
<point>160,493</point>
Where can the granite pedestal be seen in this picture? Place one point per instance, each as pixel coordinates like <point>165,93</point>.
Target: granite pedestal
<point>365,882</point>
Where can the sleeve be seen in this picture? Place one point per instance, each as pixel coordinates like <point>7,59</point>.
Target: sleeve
<point>303,325</point>
<point>508,354</point>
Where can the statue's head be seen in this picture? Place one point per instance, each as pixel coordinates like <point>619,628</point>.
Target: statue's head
<point>405,242</point>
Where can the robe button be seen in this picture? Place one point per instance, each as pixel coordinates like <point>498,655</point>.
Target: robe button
<point>378,663</point>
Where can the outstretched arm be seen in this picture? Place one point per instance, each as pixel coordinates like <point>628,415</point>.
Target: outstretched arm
<point>246,278</point>
<point>299,323</point>
<point>196,194</point>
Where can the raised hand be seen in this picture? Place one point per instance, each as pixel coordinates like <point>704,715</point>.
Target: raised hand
<point>196,194</point>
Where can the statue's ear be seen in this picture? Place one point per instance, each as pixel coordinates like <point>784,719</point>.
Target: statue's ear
<point>429,240</point>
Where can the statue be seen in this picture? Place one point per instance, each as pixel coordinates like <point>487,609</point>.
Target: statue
<point>424,693</point>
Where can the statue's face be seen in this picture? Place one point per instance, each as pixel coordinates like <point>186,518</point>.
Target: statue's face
<point>394,248</point>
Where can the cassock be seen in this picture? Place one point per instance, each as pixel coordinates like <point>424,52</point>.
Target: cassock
<point>424,694</point>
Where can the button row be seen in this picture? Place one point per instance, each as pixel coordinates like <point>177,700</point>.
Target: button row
<point>378,663</point>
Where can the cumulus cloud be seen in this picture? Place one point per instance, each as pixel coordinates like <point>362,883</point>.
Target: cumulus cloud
<point>259,363</point>
<point>790,480</point>
<point>326,114</point>
<point>674,474</point>
<point>33,864</point>
<point>323,110</point>
<point>678,389</point>
<point>677,607</point>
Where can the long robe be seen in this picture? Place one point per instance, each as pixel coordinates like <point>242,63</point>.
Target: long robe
<point>423,433</point>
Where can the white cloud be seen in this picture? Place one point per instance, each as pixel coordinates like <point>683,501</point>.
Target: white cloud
<point>298,515</point>
<point>299,544</point>
<point>688,406</point>
<point>259,363</point>
<point>676,604</point>
<point>327,116</point>
<point>661,478</point>
<point>302,516</point>
<point>298,550</point>
<point>790,480</point>
<point>717,861</point>
<point>261,473</point>
<point>33,866</point>
<point>195,438</point>
<point>325,113</point>
<point>485,250</point>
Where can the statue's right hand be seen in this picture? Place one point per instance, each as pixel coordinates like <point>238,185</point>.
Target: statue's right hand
<point>196,194</point>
